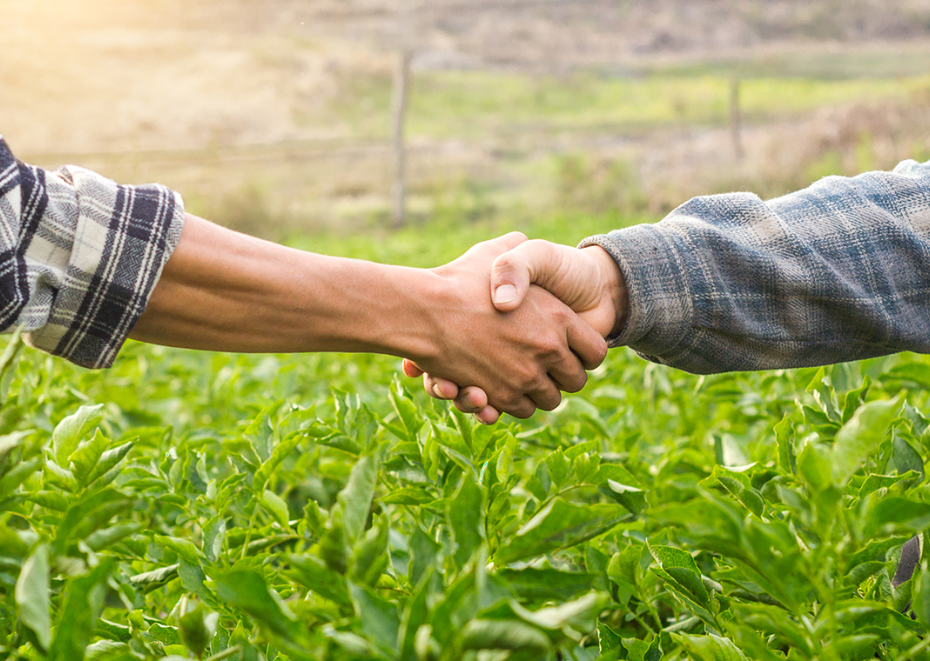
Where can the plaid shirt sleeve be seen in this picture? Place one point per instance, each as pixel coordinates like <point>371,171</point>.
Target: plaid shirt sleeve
<point>79,256</point>
<point>839,271</point>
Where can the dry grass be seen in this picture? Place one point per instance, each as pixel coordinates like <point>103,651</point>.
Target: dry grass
<point>261,112</point>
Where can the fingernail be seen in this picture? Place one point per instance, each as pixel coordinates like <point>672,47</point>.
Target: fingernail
<point>505,294</point>
<point>437,393</point>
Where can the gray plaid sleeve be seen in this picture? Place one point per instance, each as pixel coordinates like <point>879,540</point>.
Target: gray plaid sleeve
<point>839,271</point>
<point>79,256</point>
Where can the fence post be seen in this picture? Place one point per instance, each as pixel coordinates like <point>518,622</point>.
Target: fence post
<point>398,112</point>
<point>735,119</point>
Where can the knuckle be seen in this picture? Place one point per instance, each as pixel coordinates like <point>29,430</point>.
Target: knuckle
<point>505,265</point>
<point>551,347</point>
<point>575,383</point>
<point>551,403</point>
<point>523,411</point>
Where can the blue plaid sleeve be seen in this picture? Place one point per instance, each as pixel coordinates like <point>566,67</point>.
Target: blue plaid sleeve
<point>836,272</point>
<point>79,256</point>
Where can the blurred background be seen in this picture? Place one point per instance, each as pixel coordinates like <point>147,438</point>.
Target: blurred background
<point>281,117</point>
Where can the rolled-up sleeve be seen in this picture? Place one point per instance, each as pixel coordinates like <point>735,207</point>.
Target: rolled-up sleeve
<point>836,272</point>
<point>79,256</point>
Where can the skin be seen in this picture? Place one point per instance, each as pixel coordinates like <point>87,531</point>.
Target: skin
<point>588,280</point>
<point>225,291</point>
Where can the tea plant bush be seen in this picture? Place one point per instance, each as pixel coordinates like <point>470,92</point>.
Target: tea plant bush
<point>201,506</point>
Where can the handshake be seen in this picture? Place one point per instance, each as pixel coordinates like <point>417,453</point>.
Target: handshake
<point>502,329</point>
<point>553,305</point>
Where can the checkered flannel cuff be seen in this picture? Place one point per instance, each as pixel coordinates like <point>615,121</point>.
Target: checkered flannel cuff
<point>122,238</point>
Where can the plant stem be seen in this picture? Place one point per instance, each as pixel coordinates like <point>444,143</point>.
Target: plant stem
<point>225,654</point>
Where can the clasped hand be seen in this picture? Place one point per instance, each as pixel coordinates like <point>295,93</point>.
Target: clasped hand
<point>554,304</point>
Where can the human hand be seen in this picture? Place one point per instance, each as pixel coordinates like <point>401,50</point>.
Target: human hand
<point>587,280</point>
<point>520,358</point>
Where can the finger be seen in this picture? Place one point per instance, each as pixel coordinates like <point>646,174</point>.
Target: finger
<point>512,273</point>
<point>567,368</point>
<point>523,408</point>
<point>488,415</point>
<point>410,369</point>
<point>586,343</point>
<point>547,397</point>
<point>471,400</point>
<point>504,243</point>
<point>440,388</point>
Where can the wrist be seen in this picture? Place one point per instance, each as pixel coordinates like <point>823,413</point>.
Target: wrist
<point>613,291</point>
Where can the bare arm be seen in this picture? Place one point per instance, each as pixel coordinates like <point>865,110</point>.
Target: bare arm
<point>230,292</point>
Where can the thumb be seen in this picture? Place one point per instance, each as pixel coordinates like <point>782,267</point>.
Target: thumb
<point>513,272</point>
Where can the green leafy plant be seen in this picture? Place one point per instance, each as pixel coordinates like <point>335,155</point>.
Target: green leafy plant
<point>195,506</point>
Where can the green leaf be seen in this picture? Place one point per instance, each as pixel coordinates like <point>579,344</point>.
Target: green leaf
<point>905,457</point>
<point>465,514</point>
<point>424,550</point>
<point>632,498</point>
<point>682,577</point>
<point>70,431</point>
<point>920,596</point>
<point>101,539</point>
<point>406,410</point>
<point>816,466</point>
<point>8,361</point>
<point>151,580</point>
<point>81,605</point>
<point>312,573</point>
<point>545,583</point>
<point>408,496</point>
<point>197,628</point>
<point>709,648</point>
<point>276,507</point>
<point>213,536</point>
<point>579,614</point>
<point>559,468</point>
<point>378,617</point>
<point>247,591</point>
<point>739,486</point>
<point>184,548</point>
<point>334,543</point>
<point>192,579</point>
<point>109,465</point>
<point>609,641</point>
<point>88,515</point>
<point>32,596</point>
<point>355,499</point>
<point>557,526</point>
<point>894,515</point>
<point>862,435</point>
<point>727,451</point>
<point>784,438</point>
<point>370,557</point>
<point>504,635</point>
<point>86,456</point>
<point>278,455</point>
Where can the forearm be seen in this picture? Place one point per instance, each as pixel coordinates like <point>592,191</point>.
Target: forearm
<point>229,292</point>
<point>839,271</point>
<point>226,291</point>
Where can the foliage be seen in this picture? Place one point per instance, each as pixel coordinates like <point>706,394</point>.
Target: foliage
<point>186,505</point>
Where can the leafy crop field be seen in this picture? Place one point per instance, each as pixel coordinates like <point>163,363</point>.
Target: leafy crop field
<point>206,506</point>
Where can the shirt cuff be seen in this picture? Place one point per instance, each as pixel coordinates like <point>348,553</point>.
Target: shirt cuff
<point>660,312</point>
<point>123,236</point>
